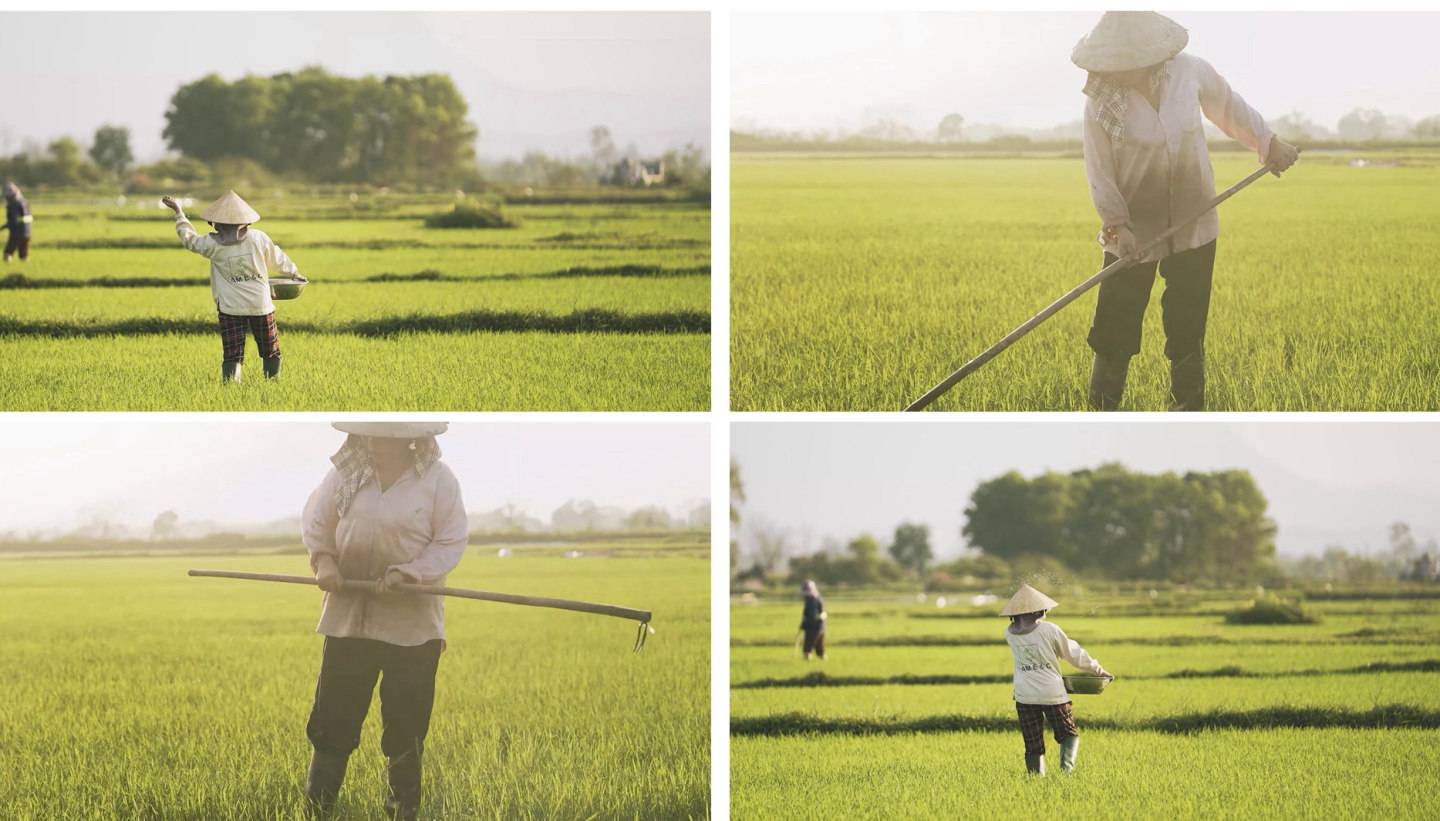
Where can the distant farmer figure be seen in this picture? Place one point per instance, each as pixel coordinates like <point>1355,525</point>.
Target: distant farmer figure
<point>17,219</point>
<point>241,262</point>
<point>389,512</point>
<point>812,620</point>
<point>1039,691</point>
<point>1149,169</point>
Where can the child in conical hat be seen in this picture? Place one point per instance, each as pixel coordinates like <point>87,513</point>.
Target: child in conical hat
<point>1037,646</point>
<point>241,263</point>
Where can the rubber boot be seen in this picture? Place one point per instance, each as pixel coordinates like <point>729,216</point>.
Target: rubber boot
<point>229,371</point>
<point>1035,764</point>
<point>1187,383</point>
<point>1107,382</point>
<point>271,364</point>
<point>1068,748</point>
<point>403,773</point>
<point>322,783</point>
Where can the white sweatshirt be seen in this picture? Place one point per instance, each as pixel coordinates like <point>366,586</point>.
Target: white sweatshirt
<point>1161,174</point>
<point>1037,668</point>
<point>417,526</point>
<point>239,271</point>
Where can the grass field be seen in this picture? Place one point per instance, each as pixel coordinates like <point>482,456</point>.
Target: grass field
<point>134,692</point>
<point>585,306</point>
<point>858,283</point>
<point>912,715</point>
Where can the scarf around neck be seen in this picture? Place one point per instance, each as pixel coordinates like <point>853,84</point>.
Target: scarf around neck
<point>1114,101</point>
<point>352,462</point>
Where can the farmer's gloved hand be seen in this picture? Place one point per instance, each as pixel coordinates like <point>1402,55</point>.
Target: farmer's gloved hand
<point>393,578</point>
<point>327,574</point>
<point>169,202</point>
<point>1121,237</point>
<point>1282,155</point>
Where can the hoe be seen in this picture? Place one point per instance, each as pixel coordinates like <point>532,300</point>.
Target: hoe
<point>642,616</point>
<point>1054,307</point>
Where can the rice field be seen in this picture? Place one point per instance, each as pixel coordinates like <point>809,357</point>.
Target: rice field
<point>912,715</point>
<point>133,691</point>
<point>860,282</point>
<point>586,306</point>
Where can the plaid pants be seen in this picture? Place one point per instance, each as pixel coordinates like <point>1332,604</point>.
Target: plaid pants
<point>232,335</point>
<point>1032,726</point>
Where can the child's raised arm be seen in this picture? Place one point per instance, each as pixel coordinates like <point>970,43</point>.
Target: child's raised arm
<point>189,237</point>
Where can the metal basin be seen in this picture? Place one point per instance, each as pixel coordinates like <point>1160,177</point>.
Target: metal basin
<point>287,288</point>
<point>1085,685</point>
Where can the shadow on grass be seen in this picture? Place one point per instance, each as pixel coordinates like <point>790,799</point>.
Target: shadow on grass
<point>576,322</point>
<point>1392,716</point>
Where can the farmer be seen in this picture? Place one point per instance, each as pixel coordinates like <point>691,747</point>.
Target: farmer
<point>1039,691</point>
<point>389,512</point>
<point>241,262</point>
<point>1149,169</point>
<point>812,620</point>
<point>18,220</point>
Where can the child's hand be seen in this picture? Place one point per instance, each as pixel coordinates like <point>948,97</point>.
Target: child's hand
<point>169,202</point>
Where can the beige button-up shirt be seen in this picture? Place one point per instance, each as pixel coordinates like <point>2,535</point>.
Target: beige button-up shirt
<point>417,526</point>
<point>1160,174</point>
<point>239,271</point>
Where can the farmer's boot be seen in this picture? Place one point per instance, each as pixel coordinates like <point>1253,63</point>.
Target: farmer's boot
<point>1107,382</point>
<point>1068,748</point>
<point>271,364</point>
<point>229,371</point>
<point>1187,383</point>
<point>404,775</point>
<point>1035,764</point>
<point>322,783</point>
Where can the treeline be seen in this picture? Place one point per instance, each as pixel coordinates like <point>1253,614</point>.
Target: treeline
<point>1124,524</point>
<point>326,128</point>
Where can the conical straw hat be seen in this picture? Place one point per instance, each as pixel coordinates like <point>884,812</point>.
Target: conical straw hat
<point>1028,600</point>
<point>230,210</point>
<point>1127,40</point>
<point>392,430</point>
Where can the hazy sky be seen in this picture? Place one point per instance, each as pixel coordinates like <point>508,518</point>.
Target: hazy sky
<point>1327,482</point>
<point>256,471</point>
<point>819,71</point>
<point>536,80</point>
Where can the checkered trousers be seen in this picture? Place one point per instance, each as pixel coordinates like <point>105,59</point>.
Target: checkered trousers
<point>232,335</point>
<point>1032,725</point>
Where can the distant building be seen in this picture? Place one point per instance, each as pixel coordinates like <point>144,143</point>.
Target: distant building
<point>634,172</point>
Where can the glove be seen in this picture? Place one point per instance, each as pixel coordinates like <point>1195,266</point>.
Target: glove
<point>327,574</point>
<point>1282,156</point>
<point>1121,238</point>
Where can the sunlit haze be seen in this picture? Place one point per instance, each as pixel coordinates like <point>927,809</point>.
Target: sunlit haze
<point>811,71</point>
<point>1327,482</point>
<point>534,81</point>
<point>62,473</point>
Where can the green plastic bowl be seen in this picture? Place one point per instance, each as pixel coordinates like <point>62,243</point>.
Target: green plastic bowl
<point>287,288</point>
<point>1085,685</point>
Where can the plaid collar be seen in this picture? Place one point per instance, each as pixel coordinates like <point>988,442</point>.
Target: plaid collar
<point>1114,101</point>
<point>352,461</point>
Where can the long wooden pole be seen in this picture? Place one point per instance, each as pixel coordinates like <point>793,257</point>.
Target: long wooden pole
<point>642,616</point>
<point>1054,307</point>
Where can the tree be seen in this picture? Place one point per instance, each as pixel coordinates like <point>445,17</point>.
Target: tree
<point>772,543</point>
<point>164,525</point>
<point>1428,128</point>
<point>65,160</point>
<point>951,128</point>
<point>911,547</point>
<point>737,498</point>
<point>1297,126</point>
<point>1362,124</point>
<point>648,518</point>
<point>602,148</point>
<point>111,149</point>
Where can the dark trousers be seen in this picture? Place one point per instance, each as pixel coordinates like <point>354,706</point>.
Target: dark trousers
<point>1032,727</point>
<point>1120,309</point>
<point>348,671</point>
<point>17,242</point>
<point>815,642</point>
<point>232,335</point>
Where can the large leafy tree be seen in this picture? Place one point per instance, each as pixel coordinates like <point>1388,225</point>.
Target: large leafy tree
<point>111,149</point>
